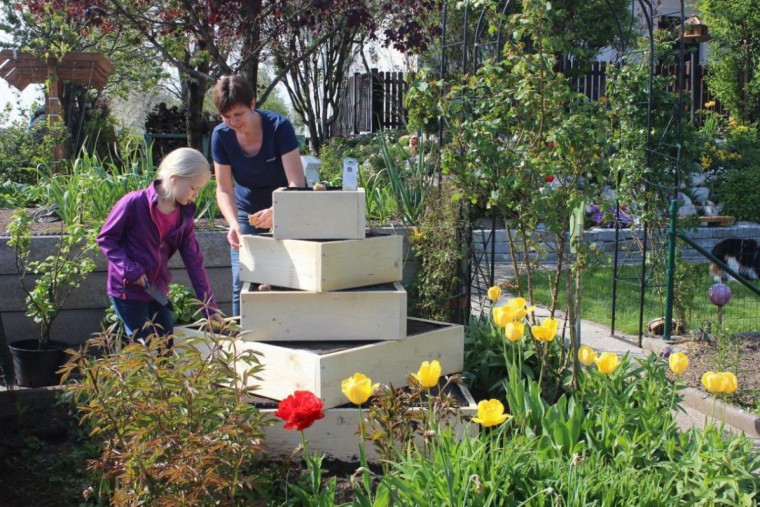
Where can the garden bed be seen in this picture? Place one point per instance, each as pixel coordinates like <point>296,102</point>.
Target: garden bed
<point>742,350</point>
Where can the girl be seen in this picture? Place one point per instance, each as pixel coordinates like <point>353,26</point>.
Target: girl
<point>142,232</point>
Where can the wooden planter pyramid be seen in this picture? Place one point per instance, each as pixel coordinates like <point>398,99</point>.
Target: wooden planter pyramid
<point>324,301</point>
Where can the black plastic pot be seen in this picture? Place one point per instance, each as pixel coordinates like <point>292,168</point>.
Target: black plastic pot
<point>37,368</point>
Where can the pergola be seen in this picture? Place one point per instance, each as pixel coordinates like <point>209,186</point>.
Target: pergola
<point>22,68</point>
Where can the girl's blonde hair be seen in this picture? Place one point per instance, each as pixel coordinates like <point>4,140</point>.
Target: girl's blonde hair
<point>182,163</point>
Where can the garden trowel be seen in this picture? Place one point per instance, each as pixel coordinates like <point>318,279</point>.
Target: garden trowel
<point>157,294</point>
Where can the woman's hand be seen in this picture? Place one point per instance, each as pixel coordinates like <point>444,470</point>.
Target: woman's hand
<point>233,236</point>
<point>261,219</point>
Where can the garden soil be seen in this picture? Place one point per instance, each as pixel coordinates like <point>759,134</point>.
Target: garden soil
<point>740,351</point>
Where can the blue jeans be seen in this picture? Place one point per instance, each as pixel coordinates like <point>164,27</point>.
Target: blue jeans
<point>142,319</point>
<point>245,228</point>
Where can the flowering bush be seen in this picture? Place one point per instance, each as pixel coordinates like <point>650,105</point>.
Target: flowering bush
<point>607,216</point>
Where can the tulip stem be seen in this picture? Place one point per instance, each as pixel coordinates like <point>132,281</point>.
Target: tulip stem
<point>362,454</point>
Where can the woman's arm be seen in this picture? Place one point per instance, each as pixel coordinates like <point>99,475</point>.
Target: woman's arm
<point>225,198</point>
<point>291,162</point>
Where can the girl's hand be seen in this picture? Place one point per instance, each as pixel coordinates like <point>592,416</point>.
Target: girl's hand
<point>141,281</point>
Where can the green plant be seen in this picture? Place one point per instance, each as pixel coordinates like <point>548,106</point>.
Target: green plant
<point>411,179</point>
<point>185,306</point>
<point>733,70</point>
<point>435,242</point>
<point>56,276</point>
<point>24,148</point>
<point>175,429</point>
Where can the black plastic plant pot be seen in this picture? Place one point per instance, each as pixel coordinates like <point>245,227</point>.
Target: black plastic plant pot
<point>37,368</point>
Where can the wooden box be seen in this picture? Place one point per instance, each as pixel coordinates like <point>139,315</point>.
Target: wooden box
<point>321,265</point>
<point>337,435</point>
<point>309,214</point>
<point>321,367</point>
<point>377,312</point>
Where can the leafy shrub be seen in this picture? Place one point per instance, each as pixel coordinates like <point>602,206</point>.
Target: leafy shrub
<point>175,429</point>
<point>437,246</point>
<point>738,193</point>
<point>185,306</point>
<point>24,148</point>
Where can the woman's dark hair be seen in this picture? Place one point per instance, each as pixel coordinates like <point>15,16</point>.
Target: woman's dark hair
<point>230,91</point>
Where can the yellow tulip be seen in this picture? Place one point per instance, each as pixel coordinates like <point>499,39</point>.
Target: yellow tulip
<point>546,331</point>
<point>678,362</point>
<point>429,373</point>
<point>490,413</point>
<point>517,306</point>
<point>731,383</point>
<point>714,382</point>
<point>607,362</point>
<point>358,388</point>
<point>586,355</point>
<point>502,315</point>
<point>494,293</point>
<point>514,331</point>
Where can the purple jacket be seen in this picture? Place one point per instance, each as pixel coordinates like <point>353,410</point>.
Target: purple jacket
<point>130,241</point>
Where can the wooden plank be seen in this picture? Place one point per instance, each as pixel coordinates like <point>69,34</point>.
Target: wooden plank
<point>367,313</point>
<point>337,435</point>
<point>321,265</point>
<point>321,367</point>
<point>306,214</point>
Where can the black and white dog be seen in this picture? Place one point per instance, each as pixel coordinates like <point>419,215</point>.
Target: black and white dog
<point>741,255</point>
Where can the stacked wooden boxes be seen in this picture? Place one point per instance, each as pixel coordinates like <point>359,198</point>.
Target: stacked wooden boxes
<point>333,306</point>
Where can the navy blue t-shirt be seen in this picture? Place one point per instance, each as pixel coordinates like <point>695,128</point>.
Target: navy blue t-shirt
<point>256,177</point>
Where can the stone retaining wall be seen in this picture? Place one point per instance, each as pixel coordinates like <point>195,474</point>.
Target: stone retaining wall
<point>629,250</point>
<point>85,309</point>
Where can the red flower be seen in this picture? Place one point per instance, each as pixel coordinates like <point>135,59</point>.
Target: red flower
<point>300,410</point>
<point>549,178</point>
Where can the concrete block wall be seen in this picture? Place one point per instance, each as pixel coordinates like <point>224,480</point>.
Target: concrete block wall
<point>84,311</point>
<point>85,308</point>
<point>629,251</point>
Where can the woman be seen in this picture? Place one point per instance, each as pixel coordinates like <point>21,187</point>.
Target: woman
<point>255,152</point>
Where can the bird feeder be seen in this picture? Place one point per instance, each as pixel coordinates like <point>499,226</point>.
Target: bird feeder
<point>694,31</point>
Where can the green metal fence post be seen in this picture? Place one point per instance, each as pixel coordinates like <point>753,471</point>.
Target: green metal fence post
<point>671,269</point>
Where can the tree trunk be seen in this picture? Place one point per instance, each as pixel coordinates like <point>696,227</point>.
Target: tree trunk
<point>193,94</point>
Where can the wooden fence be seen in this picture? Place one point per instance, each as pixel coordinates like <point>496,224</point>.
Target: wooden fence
<point>371,101</point>
<point>593,83</point>
<point>375,100</point>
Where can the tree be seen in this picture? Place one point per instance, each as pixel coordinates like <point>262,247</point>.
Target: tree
<point>57,28</point>
<point>317,84</point>
<point>734,60</point>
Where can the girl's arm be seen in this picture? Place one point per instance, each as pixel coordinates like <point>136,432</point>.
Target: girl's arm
<point>110,237</point>
<point>192,256</point>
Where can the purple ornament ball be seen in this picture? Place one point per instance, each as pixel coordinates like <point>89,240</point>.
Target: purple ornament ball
<point>719,294</point>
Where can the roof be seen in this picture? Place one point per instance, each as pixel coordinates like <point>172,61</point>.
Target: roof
<point>22,68</point>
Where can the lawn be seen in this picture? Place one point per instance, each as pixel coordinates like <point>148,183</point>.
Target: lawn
<point>742,314</point>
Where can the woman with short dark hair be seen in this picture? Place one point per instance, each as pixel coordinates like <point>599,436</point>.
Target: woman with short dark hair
<point>255,152</point>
